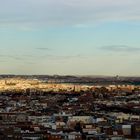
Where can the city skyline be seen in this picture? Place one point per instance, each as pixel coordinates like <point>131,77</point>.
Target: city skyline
<point>74,37</point>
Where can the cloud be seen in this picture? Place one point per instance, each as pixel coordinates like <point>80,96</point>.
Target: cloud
<point>43,48</point>
<point>63,57</point>
<point>120,48</point>
<point>33,58</point>
<point>15,57</point>
<point>81,26</point>
<point>2,61</point>
<point>66,12</point>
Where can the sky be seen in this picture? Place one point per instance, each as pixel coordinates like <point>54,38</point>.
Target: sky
<point>70,37</point>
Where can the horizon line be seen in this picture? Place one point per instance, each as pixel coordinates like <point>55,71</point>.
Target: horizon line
<point>76,75</point>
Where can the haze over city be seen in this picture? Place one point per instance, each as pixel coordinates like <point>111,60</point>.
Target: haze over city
<point>74,37</point>
<point>69,70</point>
